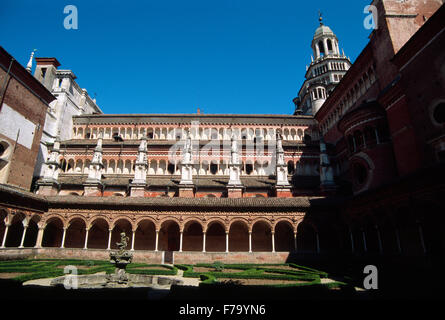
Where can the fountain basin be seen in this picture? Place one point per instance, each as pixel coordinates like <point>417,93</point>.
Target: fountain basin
<point>100,281</point>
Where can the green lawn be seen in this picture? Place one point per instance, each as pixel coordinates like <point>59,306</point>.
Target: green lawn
<point>48,268</point>
<point>275,275</point>
<point>291,275</point>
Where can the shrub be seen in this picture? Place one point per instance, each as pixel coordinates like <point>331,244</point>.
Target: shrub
<point>218,266</point>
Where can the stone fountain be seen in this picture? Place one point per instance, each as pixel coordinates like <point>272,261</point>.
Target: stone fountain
<point>120,278</point>
<point>120,259</point>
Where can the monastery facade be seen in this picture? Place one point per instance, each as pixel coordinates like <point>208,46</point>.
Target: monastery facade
<point>354,171</point>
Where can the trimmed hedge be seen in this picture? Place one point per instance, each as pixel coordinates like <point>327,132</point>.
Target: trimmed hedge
<point>252,271</point>
<point>47,268</point>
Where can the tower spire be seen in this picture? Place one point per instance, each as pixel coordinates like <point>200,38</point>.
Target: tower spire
<point>29,65</point>
<point>320,17</point>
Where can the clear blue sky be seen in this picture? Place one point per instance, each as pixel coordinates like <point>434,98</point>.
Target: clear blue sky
<point>173,56</point>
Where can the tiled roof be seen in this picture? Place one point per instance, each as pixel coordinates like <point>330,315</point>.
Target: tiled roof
<point>24,199</point>
<point>305,182</point>
<point>167,202</point>
<point>242,119</point>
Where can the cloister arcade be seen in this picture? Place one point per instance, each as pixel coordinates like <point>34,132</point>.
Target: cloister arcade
<point>397,235</point>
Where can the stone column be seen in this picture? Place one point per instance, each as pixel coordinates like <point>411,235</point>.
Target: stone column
<point>86,240</point>
<point>317,51</point>
<point>273,241</point>
<point>379,239</point>
<point>39,238</point>
<point>250,241</point>
<point>352,240</point>
<point>157,240</point>
<point>227,242</point>
<point>5,235</point>
<point>325,45</point>
<point>132,240</point>
<point>295,242</point>
<point>63,238</point>
<point>377,139</point>
<point>318,242</point>
<point>422,241</point>
<point>364,241</point>
<point>25,227</point>
<point>180,240</point>
<point>109,239</point>
<point>204,241</point>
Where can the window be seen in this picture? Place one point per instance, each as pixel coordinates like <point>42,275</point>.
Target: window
<point>439,113</point>
<point>321,48</point>
<point>360,174</point>
<point>43,70</point>
<point>213,168</point>
<point>329,45</point>
<point>351,143</point>
<point>290,167</point>
<point>2,150</point>
<point>249,168</point>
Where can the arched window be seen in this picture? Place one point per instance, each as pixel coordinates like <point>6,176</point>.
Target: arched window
<point>213,168</point>
<point>171,168</point>
<point>290,167</point>
<point>329,45</point>
<point>249,168</point>
<point>321,48</point>
<point>358,138</point>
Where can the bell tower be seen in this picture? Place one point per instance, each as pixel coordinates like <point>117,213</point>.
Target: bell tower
<point>325,42</point>
<point>327,68</point>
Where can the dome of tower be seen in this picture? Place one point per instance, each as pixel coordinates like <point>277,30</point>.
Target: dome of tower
<point>323,30</point>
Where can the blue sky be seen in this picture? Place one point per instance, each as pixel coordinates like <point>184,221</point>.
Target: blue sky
<point>173,56</point>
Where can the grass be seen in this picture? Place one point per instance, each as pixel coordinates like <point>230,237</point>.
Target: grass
<point>216,275</point>
<point>296,274</point>
<point>49,268</point>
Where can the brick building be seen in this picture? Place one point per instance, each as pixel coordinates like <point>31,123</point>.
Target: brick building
<point>359,174</point>
<point>24,101</point>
